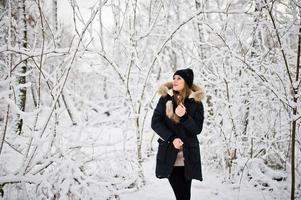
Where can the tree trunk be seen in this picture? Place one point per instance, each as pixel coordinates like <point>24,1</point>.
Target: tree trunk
<point>4,34</point>
<point>101,25</point>
<point>138,124</point>
<point>68,109</point>
<point>2,6</point>
<point>294,123</point>
<point>21,94</point>
<point>55,25</point>
<point>201,52</point>
<point>257,44</point>
<point>54,15</point>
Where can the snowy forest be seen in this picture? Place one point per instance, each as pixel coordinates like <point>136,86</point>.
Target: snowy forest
<point>79,82</point>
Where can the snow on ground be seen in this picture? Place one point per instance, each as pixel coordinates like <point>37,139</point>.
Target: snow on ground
<point>211,188</point>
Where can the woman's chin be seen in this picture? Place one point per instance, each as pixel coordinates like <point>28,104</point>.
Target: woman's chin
<point>177,89</point>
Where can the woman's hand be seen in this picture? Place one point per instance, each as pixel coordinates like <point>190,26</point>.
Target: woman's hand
<point>177,143</point>
<point>180,110</point>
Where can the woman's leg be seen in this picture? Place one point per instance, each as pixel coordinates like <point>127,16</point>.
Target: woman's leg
<point>180,185</point>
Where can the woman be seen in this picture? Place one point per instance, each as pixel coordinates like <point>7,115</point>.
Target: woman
<point>178,119</point>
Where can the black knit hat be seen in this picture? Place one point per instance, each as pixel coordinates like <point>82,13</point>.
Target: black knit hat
<point>186,74</point>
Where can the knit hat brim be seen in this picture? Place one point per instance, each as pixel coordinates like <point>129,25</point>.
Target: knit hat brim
<point>186,74</point>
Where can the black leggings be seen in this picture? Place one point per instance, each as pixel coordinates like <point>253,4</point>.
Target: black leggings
<point>180,185</point>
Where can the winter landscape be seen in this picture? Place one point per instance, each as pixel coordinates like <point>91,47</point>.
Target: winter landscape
<point>79,82</point>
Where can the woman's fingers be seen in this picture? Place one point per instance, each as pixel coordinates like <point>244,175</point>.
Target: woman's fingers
<point>182,106</point>
<point>180,110</point>
<point>178,143</point>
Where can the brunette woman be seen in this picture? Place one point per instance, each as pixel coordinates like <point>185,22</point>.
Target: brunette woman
<point>178,119</point>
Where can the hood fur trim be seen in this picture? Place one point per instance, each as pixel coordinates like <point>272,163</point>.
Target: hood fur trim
<point>170,113</point>
<point>197,92</point>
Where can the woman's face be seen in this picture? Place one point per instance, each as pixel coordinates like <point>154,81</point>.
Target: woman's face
<point>178,83</point>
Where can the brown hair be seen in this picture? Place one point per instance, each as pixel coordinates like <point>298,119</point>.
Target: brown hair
<point>180,96</point>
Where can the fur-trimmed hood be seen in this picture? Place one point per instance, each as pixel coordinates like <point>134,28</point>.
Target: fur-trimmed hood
<point>197,92</point>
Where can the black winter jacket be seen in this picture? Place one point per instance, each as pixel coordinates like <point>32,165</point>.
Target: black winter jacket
<point>187,129</point>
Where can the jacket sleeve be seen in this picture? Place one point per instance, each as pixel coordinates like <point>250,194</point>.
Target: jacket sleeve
<point>194,124</point>
<point>158,124</point>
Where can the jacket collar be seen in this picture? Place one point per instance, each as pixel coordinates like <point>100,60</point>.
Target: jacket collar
<point>197,92</point>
